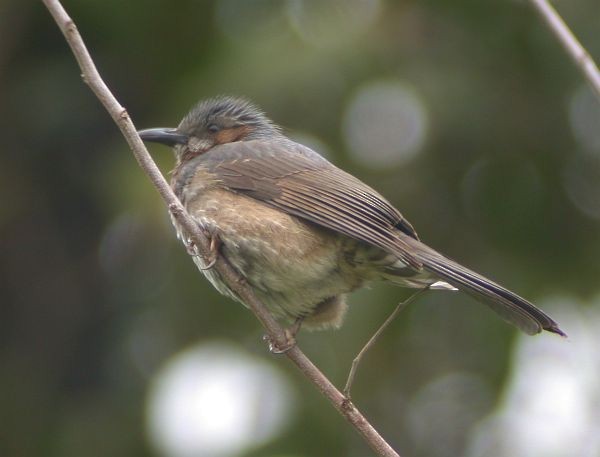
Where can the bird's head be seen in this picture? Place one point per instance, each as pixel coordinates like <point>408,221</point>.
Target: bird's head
<point>212,122</point>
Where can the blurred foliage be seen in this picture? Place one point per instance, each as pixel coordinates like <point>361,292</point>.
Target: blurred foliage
<point>91,269</point>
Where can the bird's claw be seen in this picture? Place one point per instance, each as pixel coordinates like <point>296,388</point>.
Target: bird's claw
<point>278,348</point>
<point>290,338</point>
<point>191,248</point>
<point>215,243</point>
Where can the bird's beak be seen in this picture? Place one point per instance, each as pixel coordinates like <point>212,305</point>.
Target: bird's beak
<point>167,136</point>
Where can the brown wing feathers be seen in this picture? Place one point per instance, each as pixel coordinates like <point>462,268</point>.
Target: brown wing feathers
<point>318,192</point>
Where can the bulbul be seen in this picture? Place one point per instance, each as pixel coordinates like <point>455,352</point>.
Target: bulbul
<point>302,232</point>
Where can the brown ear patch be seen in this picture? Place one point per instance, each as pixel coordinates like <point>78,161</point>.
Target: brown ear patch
<point>233,134</point>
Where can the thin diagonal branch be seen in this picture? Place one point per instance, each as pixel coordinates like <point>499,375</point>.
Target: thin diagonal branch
<point>230,276</point>
<point>580,56</point>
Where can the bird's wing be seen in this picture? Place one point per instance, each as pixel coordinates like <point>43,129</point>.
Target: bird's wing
<point>295,179</point>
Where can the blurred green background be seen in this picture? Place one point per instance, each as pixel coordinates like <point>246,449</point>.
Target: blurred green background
<point>467,115</point>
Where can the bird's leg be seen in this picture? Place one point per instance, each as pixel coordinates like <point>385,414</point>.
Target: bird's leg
<point>290,336</point>
<point>214,245</point>
<point>373,339</point>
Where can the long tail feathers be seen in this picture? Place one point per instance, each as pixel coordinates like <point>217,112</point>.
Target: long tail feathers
<point>508,305</point>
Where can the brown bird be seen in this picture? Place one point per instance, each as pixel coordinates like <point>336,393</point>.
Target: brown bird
<point>302,232</point>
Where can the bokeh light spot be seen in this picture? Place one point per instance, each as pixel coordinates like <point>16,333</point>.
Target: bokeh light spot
<point>551,404</point>
<point>214,400</point>
<point>584,117</point>
<point>331,22</point>
<point>385,124</point>
<point>246,22</point>
<point>444,408</point>
<point>581,180</point>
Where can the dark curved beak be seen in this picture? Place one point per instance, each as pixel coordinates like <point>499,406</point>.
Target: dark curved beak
<point>167,136</point>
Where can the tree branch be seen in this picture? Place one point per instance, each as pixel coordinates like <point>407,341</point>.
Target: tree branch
<point>230,276</point>
<point>580,56</point>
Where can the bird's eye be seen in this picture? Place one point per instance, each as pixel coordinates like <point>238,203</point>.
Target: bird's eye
<point>213,128</point>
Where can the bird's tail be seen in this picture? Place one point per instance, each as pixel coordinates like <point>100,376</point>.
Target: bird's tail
<point>508,305</point>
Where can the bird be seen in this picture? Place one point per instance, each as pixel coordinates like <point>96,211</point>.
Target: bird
<point>301,232</point>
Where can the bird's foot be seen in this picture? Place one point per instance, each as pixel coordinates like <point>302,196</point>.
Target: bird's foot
<point>276,347</point>
<point>215,244</point>
<point>191,248</point>
<point>290,338</point>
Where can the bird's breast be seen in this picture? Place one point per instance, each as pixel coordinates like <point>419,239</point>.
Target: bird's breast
<point>272,249</point>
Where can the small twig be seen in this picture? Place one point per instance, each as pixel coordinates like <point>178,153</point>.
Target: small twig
<point>230,276</point>
<point>580,56</point>
<point>373,339</point>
